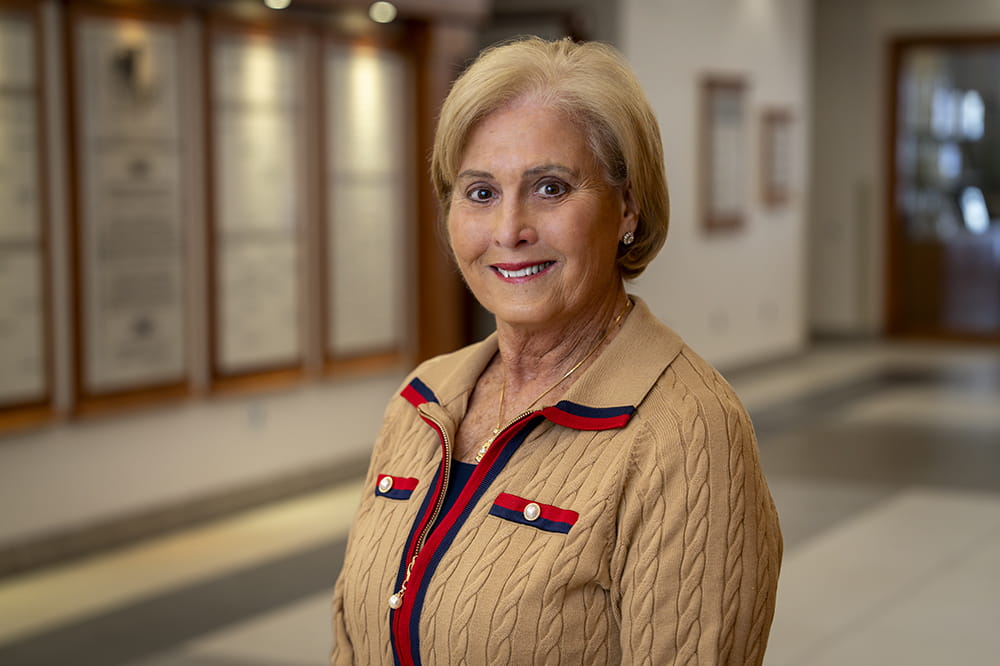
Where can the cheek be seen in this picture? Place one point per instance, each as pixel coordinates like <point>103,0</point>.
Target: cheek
<point>454,233</point>
<point>464,241</point>
<point>595,239</point>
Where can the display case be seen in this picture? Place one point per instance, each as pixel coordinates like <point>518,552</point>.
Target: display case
<point>127,145</point>
<point>369,211</point>
<point>257,218</point>
<point>25,312</point>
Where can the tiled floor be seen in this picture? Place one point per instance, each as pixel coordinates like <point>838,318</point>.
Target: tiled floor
<point>884,462</point>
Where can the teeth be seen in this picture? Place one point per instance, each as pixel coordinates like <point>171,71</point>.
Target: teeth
<point>524,272</point>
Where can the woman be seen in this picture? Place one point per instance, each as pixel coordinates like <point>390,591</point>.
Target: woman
<point>580,487</point>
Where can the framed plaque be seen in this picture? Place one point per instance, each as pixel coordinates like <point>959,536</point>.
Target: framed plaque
<point>369,199</point>
<point>129,193</point>
<point>776,148</point>
<point>24,311</point>
<point>256,113</point>
<point>724,153</point>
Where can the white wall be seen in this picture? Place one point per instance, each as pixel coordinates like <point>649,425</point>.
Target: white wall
<point>849,193</point>
<point>736,297</point>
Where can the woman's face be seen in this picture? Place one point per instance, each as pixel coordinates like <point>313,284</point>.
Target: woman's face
<point>532,223</point>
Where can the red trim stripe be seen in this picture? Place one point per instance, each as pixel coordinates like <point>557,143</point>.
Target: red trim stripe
<point>404,615</point>
<point>564,418</point>
<point>399,482</point>
<point>401,617</point>
<point>434,495</point>
<point>413,396</point>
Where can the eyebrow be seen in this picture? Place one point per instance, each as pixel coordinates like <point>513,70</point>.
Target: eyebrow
<point>472,173</point>
<point>532,172</point>
<point>546,168</point>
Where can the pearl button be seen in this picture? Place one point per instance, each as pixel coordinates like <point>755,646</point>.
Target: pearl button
<point>385,485</point>
<point>395,601</point>
<point>532,511</point>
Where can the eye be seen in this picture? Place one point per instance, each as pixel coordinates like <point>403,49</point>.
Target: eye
<point>552,188</point>
<point>480,194</point>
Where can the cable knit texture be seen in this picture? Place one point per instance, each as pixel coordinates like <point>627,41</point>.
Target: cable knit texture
<point>674,557</point>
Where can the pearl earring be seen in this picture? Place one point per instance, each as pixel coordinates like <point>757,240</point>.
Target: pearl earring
<point>628,238</point>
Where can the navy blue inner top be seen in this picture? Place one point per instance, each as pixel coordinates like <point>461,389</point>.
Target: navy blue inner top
<point>461,472</point>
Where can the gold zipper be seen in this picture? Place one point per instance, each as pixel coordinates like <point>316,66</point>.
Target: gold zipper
<point>396,600</point>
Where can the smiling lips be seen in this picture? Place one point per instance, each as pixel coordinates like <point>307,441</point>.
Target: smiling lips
<point>520,271</point>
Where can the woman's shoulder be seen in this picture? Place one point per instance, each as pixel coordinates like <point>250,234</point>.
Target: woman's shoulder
<point>691,374</point>
<point>692,401</point>
<point>677,370</point>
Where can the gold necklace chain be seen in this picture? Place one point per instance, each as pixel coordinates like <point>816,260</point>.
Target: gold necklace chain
<point>503,387</point>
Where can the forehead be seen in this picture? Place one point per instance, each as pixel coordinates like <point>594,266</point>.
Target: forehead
<point>525,135</point>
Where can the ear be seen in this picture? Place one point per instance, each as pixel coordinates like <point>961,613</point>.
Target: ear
<point>629,212</point>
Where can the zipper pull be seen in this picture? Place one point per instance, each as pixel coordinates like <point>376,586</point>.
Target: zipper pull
<point>396,600</point>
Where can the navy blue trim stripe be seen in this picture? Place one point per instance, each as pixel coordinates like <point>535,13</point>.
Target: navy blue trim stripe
<point>586,412</point>
<point>402,560</point>
<point>392,642</point>
<point>491,474</point>
<point>395,494</point>
<point>423,390</point>
<point>541,523</point>
<point>413,529</point>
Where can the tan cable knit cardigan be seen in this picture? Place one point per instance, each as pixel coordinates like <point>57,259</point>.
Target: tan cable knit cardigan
<point>653,539</point>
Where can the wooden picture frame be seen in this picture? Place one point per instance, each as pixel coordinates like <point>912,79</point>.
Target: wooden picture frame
<point>126,151</point>
<point>725,145</point>
<point>26,347</point>
<point>776,172</point>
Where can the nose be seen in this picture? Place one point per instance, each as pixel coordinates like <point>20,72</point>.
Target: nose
<point>514,226</point>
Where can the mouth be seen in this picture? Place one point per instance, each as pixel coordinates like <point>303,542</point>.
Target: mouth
<point>515,271</point>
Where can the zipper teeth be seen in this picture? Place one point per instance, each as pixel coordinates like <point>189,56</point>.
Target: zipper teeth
<point>444,491</point>
<point>444,488</point>
<point>513,421</point>
<point>437,506</point>
<point>447,476</point>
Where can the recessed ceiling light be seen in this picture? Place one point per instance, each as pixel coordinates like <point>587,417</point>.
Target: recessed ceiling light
<point>382,12</point>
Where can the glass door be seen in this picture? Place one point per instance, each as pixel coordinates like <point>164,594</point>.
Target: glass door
<point>945,217</point>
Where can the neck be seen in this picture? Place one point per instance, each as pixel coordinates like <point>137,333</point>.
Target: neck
<point>533,359</point>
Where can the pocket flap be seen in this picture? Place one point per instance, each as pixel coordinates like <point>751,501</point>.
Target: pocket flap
<point>394,487</point>
<point>527,512</point>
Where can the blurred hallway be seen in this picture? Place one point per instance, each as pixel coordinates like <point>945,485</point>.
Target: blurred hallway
<point>882,459</point>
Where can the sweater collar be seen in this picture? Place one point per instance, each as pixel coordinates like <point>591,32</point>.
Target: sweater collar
<point>604,396</point>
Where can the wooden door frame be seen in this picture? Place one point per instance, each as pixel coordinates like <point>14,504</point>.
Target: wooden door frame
<point>893,324</point>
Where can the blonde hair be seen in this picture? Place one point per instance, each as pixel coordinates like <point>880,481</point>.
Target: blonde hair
<point>594,86</point>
